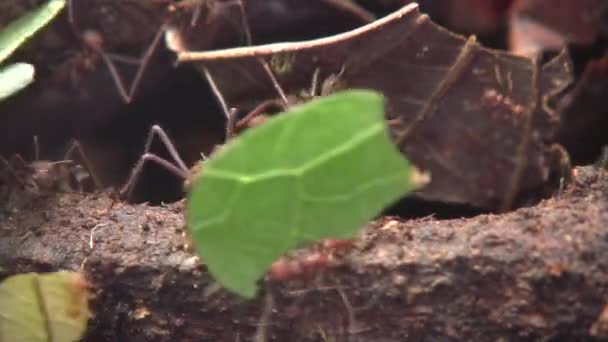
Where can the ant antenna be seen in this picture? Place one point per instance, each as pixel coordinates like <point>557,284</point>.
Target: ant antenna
<point>275,82</point>
<point>245,23</point>
<point>332,81</point>
<point>216,92</point>
<point>75,146</point>
<point>128,95</point>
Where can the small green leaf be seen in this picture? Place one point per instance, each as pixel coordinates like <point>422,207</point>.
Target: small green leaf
<point>15,77</point>
<point>43,307</point>
<point>17,32</point>
<point>322,170</point>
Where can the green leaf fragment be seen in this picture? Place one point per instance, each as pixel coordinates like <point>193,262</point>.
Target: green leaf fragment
<point>322,170</point>
<point>43,307</point>
<point>15,77</point>
<point>17,32</point>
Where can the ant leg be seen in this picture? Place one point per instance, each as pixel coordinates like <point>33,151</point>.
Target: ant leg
<point>259,110</point>
<point>8,166</point>
<point>144,60</point>
<point>217,93</point>
<point>118,81</point>
<point>245,22</point>
<point>230,114</point>
<point>76,147</point>
<point>94,41</point>
<point>156,130</point>
<point>13,168</point>
<point>352,322</point>
<point>6,176</point>
<point>314,83</point>
<point>275,82</point>
<point>127,189</point>
<point>231,124</point>
<point>5,162</point>
<point>123,59</point>
<point>180,171</point>
<point>72,19</point>
<point>36,148</point>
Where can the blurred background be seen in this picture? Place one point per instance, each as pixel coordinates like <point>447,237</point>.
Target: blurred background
<point>75,95</point>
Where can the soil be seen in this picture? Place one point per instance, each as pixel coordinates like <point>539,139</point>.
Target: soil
<point>423,271</point>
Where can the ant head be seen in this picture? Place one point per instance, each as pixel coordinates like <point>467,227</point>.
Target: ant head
<point>64,175</point>
<point>93,39</point>
<point>46,176</point>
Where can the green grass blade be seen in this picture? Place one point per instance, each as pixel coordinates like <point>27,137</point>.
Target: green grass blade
<point>17,32</point>
<point>322,170</point>
<point>15,77</point>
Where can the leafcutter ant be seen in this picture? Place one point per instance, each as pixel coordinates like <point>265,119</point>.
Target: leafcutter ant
<point>178,167</point>
<point>291,268</point>
<point>94,48</point>
<point>42,177</point>
<point>288,268</point>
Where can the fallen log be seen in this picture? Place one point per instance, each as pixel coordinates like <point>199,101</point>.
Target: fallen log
<point>537,273</point>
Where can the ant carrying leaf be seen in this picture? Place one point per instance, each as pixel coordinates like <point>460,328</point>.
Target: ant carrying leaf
<point>243,174</point>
